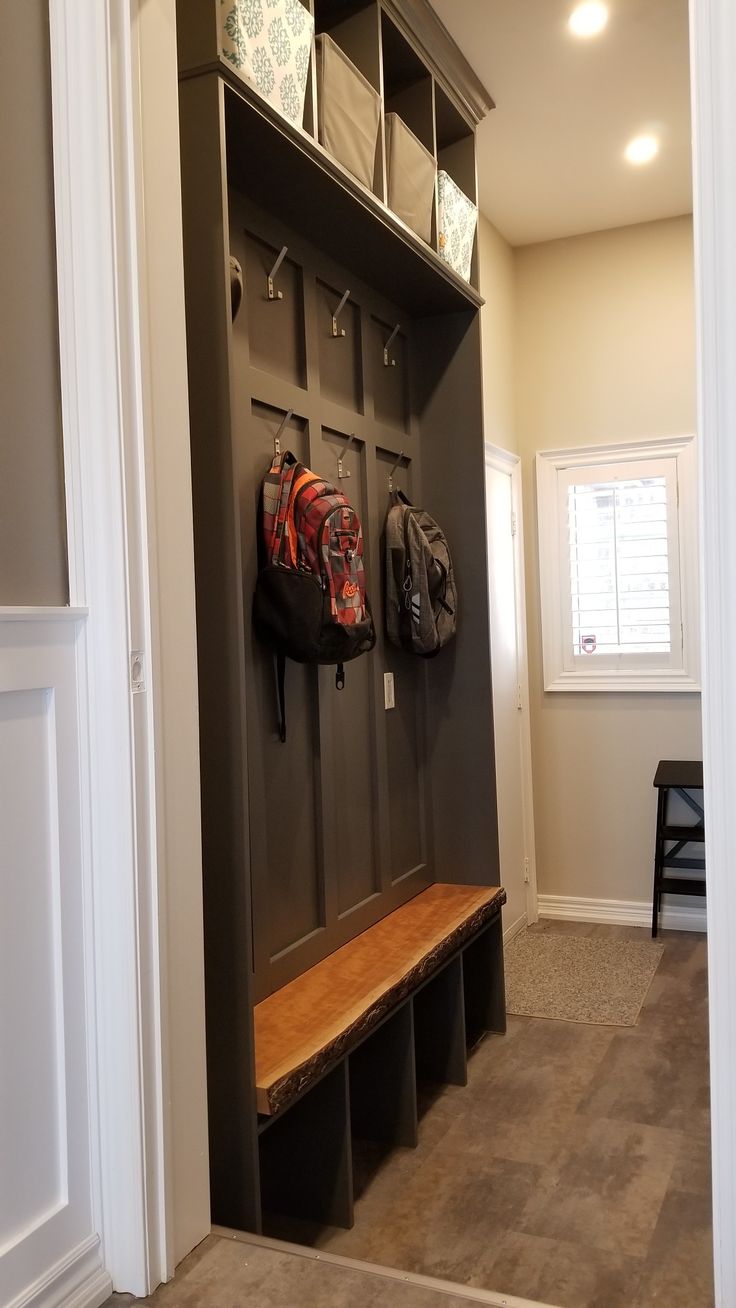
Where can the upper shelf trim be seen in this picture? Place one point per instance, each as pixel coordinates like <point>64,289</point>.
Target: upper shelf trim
<point>442,54</point>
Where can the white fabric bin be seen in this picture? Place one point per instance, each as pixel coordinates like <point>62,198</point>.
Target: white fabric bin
<point>412,172</point>
<point>348,110</point>
<point>457,217</point>
<point>269,44</point>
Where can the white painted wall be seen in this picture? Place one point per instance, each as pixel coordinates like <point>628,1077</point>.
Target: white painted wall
<point>498,287</point>
<point>604,351</point>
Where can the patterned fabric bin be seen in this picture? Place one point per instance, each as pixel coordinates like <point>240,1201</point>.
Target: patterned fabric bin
<point>269,44</point>
<point>412,172</point>
<point>456,220</point>
<point>348,110</point>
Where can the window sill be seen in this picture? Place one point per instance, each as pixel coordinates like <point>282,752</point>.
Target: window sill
<point>606,681</point>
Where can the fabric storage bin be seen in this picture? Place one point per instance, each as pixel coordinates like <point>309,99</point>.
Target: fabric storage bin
<point>411,173</point>
<point>269,44</point>
<point>456,220</point>
<point>348,110</point>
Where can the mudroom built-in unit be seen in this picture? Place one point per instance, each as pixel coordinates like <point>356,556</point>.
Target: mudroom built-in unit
<point>353,943</point>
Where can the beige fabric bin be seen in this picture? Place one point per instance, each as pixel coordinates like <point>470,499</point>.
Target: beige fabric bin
<point>348,110</point>
<point>411,172</point>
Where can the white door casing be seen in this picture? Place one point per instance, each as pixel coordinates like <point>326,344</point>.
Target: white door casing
<point>105,1078</point>
<point>712,61</point>
<point>510,686</point>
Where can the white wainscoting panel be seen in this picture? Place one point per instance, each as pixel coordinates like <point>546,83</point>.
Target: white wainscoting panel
<point>49,1249</point>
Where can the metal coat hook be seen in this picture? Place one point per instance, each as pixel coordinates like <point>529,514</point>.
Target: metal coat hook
<point>277,437</point>
<point>339,331</point>
<point>273,294</point>
<point>387,362</point>
<point>341,472</point>
<point>393,470</point>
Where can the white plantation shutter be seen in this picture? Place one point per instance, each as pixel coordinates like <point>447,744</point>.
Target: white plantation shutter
<point>619,566</point>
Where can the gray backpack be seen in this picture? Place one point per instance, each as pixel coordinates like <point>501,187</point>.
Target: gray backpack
<point>421,600</point>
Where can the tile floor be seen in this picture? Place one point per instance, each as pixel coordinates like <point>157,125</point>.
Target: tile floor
<point>573,1169</point>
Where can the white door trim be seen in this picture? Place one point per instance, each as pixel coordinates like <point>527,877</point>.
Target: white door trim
<point>713,57</point>
<point>504,461</point>
<point>94,85</point>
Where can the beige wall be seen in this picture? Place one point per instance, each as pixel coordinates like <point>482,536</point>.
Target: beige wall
<point>497,335</point>
<point>32,533</point>
<point>604,350</point>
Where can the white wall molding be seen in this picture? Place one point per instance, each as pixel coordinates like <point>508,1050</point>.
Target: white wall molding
<point>49,1247</point>
<point>513,930</point>
<point>76,1281</point>
<point>38,613</point>
<point>713,58</point>
<point>623,912</point>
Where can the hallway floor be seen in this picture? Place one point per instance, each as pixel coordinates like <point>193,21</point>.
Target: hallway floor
<point>574,1169</point>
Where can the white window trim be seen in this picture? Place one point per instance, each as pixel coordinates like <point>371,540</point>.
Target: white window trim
<point>556,677</point>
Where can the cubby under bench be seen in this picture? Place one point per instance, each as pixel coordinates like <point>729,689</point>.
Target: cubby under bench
<point>341,1050</point>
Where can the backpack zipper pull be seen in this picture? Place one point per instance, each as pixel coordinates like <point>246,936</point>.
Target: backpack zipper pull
<point>340,677</point>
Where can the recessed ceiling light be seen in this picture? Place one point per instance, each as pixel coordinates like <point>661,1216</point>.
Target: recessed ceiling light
<point>588,19</point>
<point>642,149</point>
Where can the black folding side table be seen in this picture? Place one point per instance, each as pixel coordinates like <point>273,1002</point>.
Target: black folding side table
<point>677,778</point>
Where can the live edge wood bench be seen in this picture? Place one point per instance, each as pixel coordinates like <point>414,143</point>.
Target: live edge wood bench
<point>341,1049</point>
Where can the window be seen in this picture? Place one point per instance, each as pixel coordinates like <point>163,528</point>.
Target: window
<point>618,567</point>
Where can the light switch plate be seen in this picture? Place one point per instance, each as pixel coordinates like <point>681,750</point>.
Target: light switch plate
<point>388,690</point>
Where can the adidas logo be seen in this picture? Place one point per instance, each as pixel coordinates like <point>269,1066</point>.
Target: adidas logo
<point>415,609</point>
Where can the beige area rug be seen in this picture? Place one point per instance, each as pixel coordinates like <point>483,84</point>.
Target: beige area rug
<point>579,978</point>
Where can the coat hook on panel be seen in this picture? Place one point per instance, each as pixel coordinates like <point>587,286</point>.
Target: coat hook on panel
<point>393,470</point>
<point>388,362</point>
<point>341,470</point>
<point>277,437</point>
<point>339,331</point>
<point>273,294</point>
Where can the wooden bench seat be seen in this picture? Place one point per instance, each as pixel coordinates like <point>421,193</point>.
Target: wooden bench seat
<point>304,1028</point>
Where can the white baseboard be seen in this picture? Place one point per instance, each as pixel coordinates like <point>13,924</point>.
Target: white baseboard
<point>622,912</point>
<point>77,1281</point>
<point>515,928</point>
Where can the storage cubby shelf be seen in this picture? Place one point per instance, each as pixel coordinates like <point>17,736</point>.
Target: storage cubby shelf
<point>286,171</point>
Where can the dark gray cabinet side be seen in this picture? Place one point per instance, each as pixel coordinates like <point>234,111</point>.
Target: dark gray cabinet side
<point>220,628</point>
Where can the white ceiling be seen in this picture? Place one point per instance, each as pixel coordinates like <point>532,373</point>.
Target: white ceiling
<point>550,157</point>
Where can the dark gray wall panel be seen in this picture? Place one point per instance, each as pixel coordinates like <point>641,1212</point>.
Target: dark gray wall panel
<point>340,367</point>
<point>351,714</point>
<point>275,327</point>
<point>390,383</point>
<point>33,564</point>
<point>403,723</point>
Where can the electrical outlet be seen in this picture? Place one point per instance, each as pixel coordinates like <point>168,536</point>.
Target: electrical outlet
<point>388,690</point>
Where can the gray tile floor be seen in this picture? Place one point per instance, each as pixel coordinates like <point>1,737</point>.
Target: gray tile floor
<point>574,1169</point>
